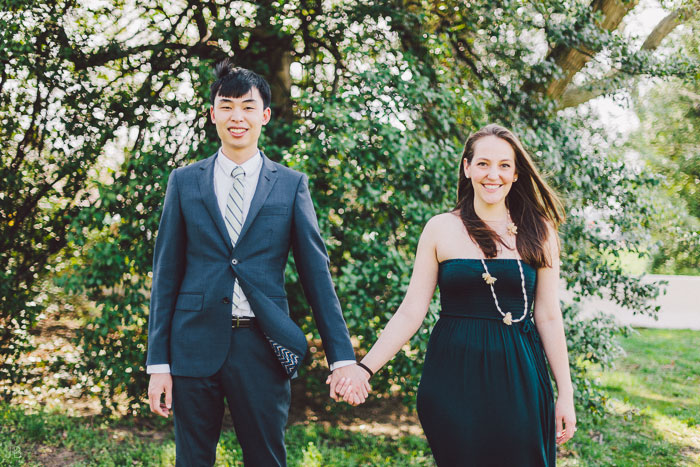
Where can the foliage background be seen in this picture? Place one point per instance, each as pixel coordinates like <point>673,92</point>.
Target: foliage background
<point>372,100</point>
<point>669,114</point>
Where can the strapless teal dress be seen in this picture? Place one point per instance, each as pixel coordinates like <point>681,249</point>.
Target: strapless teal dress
<point>485,397</point>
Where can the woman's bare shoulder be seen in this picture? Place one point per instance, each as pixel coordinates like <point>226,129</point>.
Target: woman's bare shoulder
<point>443,220</point>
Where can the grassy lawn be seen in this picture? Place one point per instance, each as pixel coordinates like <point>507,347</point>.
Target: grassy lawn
<point>653,420</point>
<point>654,406</point>
<point>56,439</point>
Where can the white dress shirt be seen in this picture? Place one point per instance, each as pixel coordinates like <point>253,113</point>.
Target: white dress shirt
<point>223,181</point>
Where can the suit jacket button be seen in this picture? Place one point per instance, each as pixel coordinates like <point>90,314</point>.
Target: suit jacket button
<point>225,300</point>
<point>234,261</point>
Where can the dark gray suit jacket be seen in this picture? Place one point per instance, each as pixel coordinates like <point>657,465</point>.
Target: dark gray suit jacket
<point>194,268</point>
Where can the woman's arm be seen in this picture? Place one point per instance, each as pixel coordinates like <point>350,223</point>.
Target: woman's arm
<point>411,313</point>
<point>550,325</point>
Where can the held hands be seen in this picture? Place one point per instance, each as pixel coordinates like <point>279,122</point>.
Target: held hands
<point>565,417</point>
<point>160,383</point>
<point>349,383</point>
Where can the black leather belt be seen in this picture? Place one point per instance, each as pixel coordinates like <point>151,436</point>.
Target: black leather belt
<point>242,322</point>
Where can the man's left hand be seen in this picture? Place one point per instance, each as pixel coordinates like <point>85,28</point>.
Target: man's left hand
<point>351,383</point>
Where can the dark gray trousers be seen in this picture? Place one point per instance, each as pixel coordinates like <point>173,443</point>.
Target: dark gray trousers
<point>258,395</point>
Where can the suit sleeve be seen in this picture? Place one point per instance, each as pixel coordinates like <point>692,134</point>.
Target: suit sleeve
<point>312,263</point>
<point>168,269</point>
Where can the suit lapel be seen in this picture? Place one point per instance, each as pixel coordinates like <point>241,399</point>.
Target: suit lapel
<point>267,179</point>
<point>206,189</point>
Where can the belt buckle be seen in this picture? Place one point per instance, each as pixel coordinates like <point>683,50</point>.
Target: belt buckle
<point>238,321</point>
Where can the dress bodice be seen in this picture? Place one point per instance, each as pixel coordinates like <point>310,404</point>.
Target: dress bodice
<point>485,383</point>
<point>465,293</point>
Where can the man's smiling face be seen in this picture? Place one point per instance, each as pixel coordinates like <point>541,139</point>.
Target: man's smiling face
<point>239,121</point>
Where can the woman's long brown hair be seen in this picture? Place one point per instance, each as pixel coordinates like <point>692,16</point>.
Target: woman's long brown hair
<point>531,203</point>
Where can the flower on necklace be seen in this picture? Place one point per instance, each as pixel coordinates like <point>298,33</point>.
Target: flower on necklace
<point>508,319</point>
<point>512,229</point>
<point>488,278</point>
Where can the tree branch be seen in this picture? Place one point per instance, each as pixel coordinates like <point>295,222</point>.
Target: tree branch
<point>199,20</point>
<point>571,58</point>
<point>665,27</point>
<point>572,97</point>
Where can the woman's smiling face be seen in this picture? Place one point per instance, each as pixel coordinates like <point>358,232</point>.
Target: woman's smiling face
<point>492,169</point>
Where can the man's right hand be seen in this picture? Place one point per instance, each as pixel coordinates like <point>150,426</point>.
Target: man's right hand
<point>349,383</point>
<point>160,383</point>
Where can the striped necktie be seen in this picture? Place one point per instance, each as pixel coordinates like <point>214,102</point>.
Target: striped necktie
<point>234,218</point>
<point>234,222</point>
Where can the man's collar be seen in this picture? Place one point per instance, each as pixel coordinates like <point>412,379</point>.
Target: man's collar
<point>249,167</point>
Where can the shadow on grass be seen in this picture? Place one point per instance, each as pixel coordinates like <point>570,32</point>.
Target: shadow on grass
<point>654,406</point>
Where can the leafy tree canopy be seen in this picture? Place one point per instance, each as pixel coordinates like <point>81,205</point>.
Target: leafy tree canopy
<point>373,99</point>
<point>669,140</point>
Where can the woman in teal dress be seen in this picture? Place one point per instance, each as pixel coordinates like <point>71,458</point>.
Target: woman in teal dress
<point>485,397</point>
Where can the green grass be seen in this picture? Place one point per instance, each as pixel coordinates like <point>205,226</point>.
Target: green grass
<point>653,420</point>
<point>41,438</point>
<point>654,405</point>
<point>315,446</point>
<point>35,439</point>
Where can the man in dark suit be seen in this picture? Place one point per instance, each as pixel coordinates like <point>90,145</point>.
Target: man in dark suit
<point>219,325</point>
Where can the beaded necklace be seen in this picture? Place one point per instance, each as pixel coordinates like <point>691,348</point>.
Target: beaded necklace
<point>507,317</point>
<point>489,279</point>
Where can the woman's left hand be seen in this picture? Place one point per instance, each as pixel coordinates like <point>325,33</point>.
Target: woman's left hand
<point>565,416</point>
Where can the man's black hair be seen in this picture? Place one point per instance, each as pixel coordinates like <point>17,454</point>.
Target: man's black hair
<point>232,81</point>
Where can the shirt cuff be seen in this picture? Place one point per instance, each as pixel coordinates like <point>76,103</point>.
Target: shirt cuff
<point>341,363</point>
<point>162,368</point>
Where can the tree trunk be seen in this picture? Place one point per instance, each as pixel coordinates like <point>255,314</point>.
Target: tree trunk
<point>572,97</point>
<point>572,59</point>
